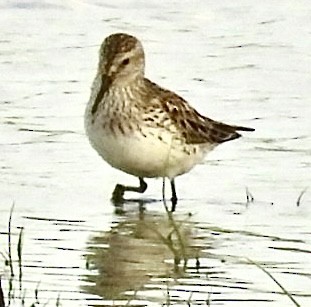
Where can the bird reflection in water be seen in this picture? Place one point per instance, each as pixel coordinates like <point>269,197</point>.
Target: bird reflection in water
<point>141,247</point>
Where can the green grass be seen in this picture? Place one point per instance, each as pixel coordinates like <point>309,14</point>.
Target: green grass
<point>9,260</point>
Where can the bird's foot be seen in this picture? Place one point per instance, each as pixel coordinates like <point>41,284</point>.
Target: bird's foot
<point>117,194</point>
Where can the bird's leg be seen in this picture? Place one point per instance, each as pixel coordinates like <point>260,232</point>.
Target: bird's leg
<point>174,196</point>
<point>117,195</point>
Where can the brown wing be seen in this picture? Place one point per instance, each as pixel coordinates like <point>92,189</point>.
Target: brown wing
<point>195,128</point>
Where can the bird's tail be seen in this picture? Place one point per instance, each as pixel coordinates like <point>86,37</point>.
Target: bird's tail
<point>221,132</point>
<point>241,128</point>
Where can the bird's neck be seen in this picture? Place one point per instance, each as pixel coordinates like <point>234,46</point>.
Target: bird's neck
<point>117,94</point>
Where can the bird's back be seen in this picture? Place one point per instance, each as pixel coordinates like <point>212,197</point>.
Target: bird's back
<point>193,127</point>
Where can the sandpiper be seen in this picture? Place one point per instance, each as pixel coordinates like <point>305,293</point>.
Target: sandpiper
<point>141,128</point>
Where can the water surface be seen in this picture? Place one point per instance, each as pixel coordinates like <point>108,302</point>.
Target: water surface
<point>236,62</point>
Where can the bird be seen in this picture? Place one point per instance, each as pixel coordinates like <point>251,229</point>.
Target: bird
<point>141,128</point>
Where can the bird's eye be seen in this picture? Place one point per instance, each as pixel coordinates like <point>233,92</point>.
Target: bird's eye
<point>125,61</point>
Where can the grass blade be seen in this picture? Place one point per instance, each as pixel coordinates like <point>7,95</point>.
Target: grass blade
<point>270,275</point>
<point>10,242</point>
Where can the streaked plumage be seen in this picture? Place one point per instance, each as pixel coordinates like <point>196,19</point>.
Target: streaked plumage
<point>141,128</point>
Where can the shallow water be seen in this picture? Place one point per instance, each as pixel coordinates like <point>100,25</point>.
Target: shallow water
<point>236,62</point>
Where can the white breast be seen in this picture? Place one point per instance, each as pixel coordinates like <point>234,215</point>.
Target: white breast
<point>144,156</point>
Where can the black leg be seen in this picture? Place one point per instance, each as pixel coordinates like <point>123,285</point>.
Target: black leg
<point>117,195</point>
<point>174,196</point>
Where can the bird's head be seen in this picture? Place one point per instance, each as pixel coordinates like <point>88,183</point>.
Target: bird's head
<point>121,58</point>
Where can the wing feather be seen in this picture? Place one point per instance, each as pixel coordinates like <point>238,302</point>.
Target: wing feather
<point>192,126</point>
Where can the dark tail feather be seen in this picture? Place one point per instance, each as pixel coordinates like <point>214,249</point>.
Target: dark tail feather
<point>221,132</point>
<point>240,128</point>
